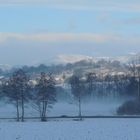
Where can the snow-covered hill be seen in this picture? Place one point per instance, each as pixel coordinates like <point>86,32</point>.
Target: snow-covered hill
<point>72,58</point>
<point>5,67</point>
<point>63,58</point>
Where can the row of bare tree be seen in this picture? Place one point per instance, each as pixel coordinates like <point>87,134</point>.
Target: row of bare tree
<point>18,90</point>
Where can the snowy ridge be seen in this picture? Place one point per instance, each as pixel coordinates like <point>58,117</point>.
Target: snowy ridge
<point>73,58</point>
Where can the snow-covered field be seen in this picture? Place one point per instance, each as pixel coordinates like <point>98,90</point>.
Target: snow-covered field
<point>95,129</point>
<point>68,129</point>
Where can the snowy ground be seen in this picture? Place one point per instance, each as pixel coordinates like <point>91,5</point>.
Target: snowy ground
<point>95,129</point>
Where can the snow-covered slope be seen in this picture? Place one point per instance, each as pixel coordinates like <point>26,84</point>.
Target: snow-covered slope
<point>5,67</point>
<point>63,58</point>
<point>71,58</point>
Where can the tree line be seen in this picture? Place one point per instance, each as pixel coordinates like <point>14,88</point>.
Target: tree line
<point>93,85</point>
<point>18,89</point>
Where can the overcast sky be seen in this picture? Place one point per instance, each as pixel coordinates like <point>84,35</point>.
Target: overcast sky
<point>35,31</point>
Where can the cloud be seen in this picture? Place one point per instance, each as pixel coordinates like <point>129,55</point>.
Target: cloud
<point>98,38</point>
<point>57,37</point>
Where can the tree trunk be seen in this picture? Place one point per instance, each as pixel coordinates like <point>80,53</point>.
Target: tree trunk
<point>43,117</point>
<point>80,116</point>
<point>22,104</point>
<point>17,107</point>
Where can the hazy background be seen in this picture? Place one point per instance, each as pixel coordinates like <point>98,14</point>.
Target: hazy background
<point>37,31</point>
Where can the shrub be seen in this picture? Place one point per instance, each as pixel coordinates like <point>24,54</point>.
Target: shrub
<point>129,108</point>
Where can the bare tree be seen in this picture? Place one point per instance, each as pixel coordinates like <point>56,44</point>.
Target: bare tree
<point>77,89</point>
<point>45,94</point>
<point>16,89</point>
<point>91,80</point>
